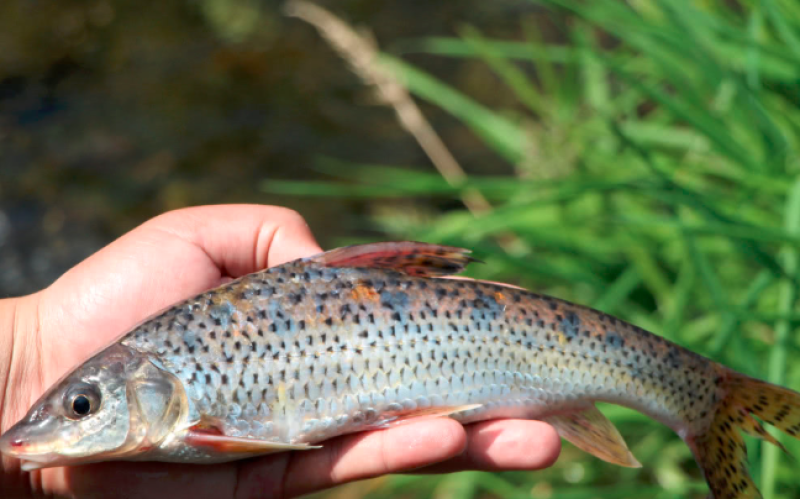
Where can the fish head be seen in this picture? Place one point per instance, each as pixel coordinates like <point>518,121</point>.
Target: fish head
<point>116,406</point>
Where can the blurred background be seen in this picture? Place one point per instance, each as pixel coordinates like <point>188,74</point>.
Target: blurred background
<point>640,157</point>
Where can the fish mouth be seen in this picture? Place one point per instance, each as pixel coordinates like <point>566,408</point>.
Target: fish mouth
<point>35,456</point>
<point>30,465</point>
<point>31,460</point>
<point>31,457</point>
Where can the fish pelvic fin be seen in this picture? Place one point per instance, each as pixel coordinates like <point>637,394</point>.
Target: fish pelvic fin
<point>721,450</point>
<point>590,431</point>
<point>216,440</point>
<point>412,258</point>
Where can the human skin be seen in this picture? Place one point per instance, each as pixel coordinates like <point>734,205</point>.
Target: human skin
<point>172,257</point>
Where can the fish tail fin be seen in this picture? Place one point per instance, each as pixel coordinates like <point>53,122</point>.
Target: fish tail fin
<point>721,451</point>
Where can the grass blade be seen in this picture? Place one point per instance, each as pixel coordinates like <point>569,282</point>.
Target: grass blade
<point>777,358</point>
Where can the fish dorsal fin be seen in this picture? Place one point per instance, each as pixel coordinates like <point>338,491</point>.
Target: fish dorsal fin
<point>412,258</point>
<point>590,431</point>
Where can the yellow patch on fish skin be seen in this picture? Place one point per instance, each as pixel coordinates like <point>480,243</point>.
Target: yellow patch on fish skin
<point>281,393</point>
<point>498,296</point>
<point>279,404</point>
<point>562,339</point>
<point>233,295</point>
<point>364,293</point>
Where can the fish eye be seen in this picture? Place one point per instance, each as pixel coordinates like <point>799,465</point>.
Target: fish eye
<point>81,405</point>
<point>81,401</point>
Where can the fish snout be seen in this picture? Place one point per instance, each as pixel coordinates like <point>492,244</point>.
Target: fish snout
<point>12,444</point>
<point>33,456</point>
<point>30,437</point>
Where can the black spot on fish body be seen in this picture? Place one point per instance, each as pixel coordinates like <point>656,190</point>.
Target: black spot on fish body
<point>570,325</point>
<point>614,340</point>
<point>397,301</point>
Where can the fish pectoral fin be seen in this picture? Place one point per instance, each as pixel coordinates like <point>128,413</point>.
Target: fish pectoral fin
<point>590,431</point>
<point>412,258</point>
<point>239,445</point>
<point>394,418</point>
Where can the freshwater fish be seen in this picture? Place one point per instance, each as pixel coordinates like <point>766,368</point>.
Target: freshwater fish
<point>365,337</point>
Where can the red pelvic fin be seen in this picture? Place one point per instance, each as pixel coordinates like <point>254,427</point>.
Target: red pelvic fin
<point>203,436</point>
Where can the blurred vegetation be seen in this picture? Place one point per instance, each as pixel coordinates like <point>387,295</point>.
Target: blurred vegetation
<point>654,174</point>
<point>113,111</point>
<point>643,156</point>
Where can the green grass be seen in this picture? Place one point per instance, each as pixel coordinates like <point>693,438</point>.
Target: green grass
<point>657,178</point>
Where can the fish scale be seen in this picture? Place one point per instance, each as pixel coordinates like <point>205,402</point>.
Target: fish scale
<point>308,365</point>
<point>369,336</point>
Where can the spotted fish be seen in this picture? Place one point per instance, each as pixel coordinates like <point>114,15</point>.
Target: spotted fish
<point>364,337</point>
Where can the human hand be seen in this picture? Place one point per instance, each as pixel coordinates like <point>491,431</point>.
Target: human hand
<point>175,256</point>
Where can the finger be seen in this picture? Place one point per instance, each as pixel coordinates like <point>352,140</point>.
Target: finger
<point>187,251</point>
<point>167,259</point>
<point>241,238</point>
<point>354,457</point>
<point>504,445</point>
<point>141,480</point>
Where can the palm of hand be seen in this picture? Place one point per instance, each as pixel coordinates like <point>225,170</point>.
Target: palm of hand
<point>174,257</point>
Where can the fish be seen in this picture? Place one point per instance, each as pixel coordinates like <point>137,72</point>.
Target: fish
<point>369,336</point>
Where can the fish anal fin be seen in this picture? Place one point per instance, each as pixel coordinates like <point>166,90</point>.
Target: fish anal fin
<point>394,418</point>
<point>204,436</point>
<point>412,258</point>
<point>590,431</point>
